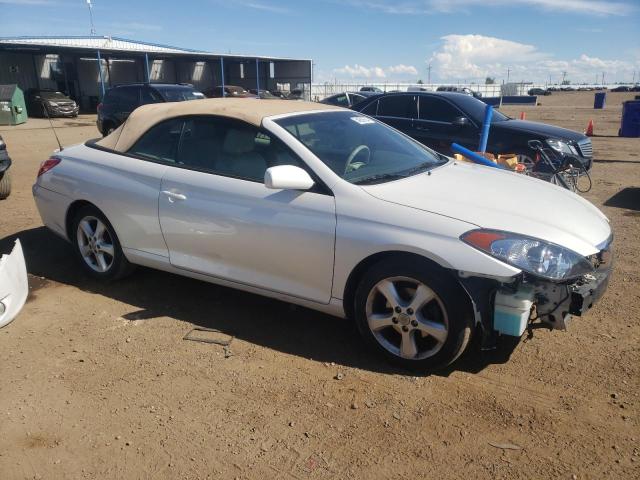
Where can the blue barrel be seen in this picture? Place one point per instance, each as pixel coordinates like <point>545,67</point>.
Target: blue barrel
<point>630,124</point>
<point>600,100</point>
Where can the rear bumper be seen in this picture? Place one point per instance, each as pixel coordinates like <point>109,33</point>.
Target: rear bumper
<point>53,209</point>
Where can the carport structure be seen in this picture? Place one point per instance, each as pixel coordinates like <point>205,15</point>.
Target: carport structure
<point>84,67</point>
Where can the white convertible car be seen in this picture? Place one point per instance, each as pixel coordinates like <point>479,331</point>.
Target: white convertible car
<point>330,209</point>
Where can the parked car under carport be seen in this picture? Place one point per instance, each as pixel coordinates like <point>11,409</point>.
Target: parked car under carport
<point>50,103</point>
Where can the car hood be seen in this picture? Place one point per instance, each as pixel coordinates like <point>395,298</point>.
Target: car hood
<point>496,199</point>
<point>538,129</point>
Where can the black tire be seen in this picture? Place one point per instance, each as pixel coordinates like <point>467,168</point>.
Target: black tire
<point>5,184</point>
<point>119,266</point>
<point>451,297</point>
<point>107,129</point>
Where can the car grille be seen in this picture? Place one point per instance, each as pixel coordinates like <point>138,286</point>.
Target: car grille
<point>586,148</point>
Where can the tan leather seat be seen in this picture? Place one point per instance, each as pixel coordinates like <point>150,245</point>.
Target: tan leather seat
<point>239,157</point>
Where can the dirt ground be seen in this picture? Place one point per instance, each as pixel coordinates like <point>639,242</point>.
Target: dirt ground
<point>96,380</point>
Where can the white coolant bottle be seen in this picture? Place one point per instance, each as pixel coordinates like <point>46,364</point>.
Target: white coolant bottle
<point>512,310</point>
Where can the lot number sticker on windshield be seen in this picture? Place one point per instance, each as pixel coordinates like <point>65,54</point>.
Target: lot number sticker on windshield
<point>362,120</point>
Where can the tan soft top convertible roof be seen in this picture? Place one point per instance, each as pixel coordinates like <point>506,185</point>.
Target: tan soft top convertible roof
<point>249,110</point>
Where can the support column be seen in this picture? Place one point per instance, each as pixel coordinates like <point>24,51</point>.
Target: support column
<point>258,76</point>
<point>222,74</point>
<point>102,89</point>
<point>146,68</point>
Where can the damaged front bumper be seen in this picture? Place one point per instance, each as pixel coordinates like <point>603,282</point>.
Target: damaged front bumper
<point>509,308</point>
<point>14,286</point>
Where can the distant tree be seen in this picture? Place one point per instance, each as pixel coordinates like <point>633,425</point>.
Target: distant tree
<point>489,81</point>
<point>566,82</point>
<point>420,82</point>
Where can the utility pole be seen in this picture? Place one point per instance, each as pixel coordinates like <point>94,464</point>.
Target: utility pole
<point>93,30</point>
<point>429,74</point>
<point>508,72</point>
<point>634,78</point>
<point>596,79</point>
<point>602,78</point>
<point>564,74</point>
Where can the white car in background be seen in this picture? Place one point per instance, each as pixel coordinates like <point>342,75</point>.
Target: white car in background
<point>330,209</point>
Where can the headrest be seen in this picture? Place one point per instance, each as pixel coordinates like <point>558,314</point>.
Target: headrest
<point>238,141</point>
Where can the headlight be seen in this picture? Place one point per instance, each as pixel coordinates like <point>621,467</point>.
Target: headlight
<point>53,104</point>
<point>532,255</point>
<point>562,147</point>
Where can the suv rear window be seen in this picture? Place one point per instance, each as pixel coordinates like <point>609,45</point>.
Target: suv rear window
<point>179,94</point>
<point>123,96</point>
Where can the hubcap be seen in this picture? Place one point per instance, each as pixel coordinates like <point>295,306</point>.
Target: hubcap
<point>407,318</point>
<point>95,244</point>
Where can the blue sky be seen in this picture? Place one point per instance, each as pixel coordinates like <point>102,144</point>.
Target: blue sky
<point>373,40</point>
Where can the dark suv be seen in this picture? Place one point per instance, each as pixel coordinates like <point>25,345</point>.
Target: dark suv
<point>439,119</point>
<point>121,100</point>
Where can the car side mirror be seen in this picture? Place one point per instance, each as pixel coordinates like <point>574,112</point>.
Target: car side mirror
<point>460,121</point>
<point>287,177</point>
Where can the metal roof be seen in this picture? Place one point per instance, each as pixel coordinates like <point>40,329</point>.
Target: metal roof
<point>94,43</point>
<point>109,43</point>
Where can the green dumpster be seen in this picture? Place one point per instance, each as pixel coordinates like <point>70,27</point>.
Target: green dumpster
<point>13,110</point>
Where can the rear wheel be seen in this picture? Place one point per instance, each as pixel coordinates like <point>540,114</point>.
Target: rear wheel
<point>107,129</point>
<point>414,314</point>
<point>97,245</point>
<point>5,184</point>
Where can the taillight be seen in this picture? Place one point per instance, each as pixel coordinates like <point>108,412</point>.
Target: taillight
<point>48,165</point>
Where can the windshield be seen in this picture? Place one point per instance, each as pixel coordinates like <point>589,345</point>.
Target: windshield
<point>474,108</point>
<point>177,94</point>
<point>359,149</point>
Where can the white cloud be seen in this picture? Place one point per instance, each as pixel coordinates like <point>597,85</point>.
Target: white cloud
<point>254,5</point>
<point>359,71</point>
<point>425,7</point>
<point>362,72</point>
<point>403,69</point>
<point>473,57</point>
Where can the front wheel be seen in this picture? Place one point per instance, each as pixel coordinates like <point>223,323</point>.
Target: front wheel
<point>414,314</point>
<point>97,246</point>
<point>5,184</point>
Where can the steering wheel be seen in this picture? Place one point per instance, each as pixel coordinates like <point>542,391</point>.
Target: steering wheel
<point>351,165</point>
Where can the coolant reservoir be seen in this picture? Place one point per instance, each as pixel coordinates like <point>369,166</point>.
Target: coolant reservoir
<point>512,311</point>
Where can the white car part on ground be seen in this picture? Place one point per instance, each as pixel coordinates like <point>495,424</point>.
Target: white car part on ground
<point>14,286</point>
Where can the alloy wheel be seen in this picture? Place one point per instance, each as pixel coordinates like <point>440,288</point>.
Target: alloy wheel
<point>407,318</point>
<point>95,244</point>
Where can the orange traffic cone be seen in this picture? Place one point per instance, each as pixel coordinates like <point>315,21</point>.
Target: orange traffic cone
<point>523,116</point>
<point>589,131</point>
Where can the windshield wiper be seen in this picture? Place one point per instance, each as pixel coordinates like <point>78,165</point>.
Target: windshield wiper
<point>378,178</point>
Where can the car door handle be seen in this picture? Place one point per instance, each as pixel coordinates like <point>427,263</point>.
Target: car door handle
<point>173,196</point>
<point>420,127</point>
